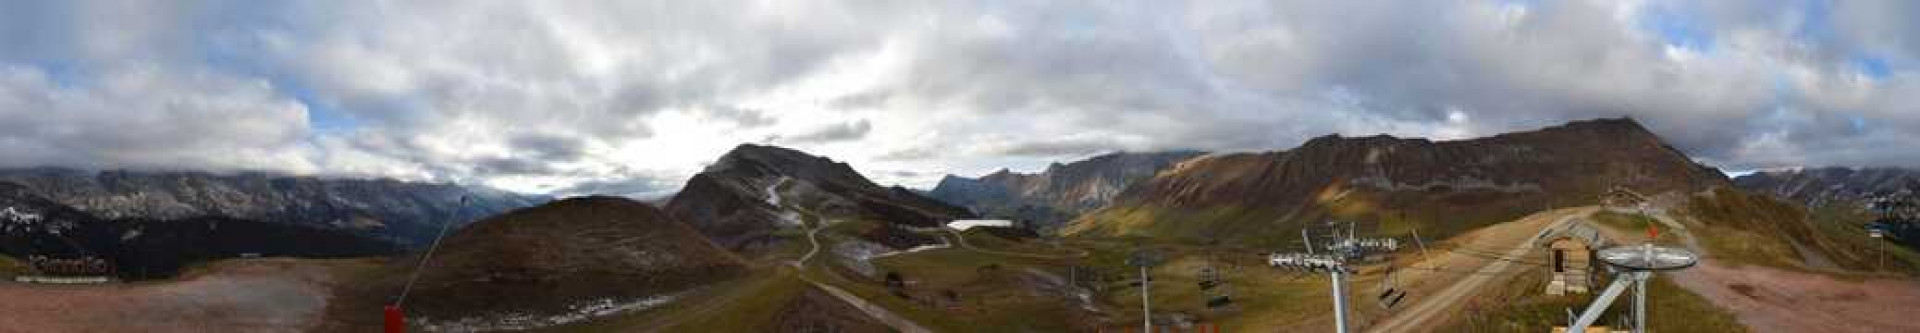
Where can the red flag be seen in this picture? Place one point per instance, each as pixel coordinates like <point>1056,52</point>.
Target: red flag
<point>395,322</point>
<point>1653,231</point>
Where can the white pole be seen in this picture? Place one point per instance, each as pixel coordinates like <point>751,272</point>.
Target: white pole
<point>1640,302</point>
<point>1339,301</point>
<point>1146,306</point>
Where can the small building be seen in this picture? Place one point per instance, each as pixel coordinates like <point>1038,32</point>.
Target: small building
<point>1621,197</point>
<point>1571,266</point>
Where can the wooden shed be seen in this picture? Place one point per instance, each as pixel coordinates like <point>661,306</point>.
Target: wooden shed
<point>1571,266</point>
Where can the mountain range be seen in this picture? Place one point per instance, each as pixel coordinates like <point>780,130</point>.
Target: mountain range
<point>1832,185</point>
<point>143,248</point>
<point>1395,184</point>
<point>405,213</point>
<point>1052,197</point>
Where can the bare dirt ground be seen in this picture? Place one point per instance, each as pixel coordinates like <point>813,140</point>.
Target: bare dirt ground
<point>1769,299</point>
<point>265,295</point>
<point>1774,300</point>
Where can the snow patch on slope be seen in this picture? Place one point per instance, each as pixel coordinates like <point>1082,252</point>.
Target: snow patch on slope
<point>578,312</point>
<point>788,217</point>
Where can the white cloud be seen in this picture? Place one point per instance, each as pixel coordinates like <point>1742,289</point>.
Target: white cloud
<point>629,96</point>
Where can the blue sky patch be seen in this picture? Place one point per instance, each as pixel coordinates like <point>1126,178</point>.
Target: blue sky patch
<point>1873,67</point>
<point>1678,26</point>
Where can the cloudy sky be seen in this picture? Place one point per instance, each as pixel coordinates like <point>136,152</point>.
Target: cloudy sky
<point>632,97</point>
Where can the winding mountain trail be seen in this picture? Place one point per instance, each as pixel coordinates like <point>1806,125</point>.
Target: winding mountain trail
<point>1517,236</point>
<point>876,312</point>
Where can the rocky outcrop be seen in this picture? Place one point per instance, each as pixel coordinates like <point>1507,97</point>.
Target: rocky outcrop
<point>1058,194</point>
<point>753,191</point>
<point>1394,184</point>
<point>402,212</point>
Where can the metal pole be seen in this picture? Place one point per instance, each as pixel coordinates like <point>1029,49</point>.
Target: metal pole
<point>1146,306</point>
<point>1423,247</point>
<point>1339,301</point>
<point>1640,301</point>
<point>1600,304</point>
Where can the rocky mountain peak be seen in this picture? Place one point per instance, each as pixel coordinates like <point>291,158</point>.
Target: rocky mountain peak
<point>755,190</point>
<point>773,160</point>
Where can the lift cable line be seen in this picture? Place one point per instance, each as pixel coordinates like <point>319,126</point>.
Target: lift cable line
<point>395,321</point>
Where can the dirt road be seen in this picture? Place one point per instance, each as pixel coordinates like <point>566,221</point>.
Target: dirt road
<point>1516,238</point>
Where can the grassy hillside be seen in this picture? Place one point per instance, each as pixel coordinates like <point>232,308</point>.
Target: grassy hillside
<point>1384,214</point>
<point>744,305</point>
<point>1747,228</point>
<point>10,267</point>
<point>1848,224</point>
<point>1522,307</point>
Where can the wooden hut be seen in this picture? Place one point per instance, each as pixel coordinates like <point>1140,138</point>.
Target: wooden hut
<point>1571,265</point>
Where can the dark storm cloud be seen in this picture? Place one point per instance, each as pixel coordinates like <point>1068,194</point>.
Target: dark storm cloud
<point>548,147</point>
<point>849,131</point>
<point>639,188</point>
<point>742,117</point>
<point>1059,148</point>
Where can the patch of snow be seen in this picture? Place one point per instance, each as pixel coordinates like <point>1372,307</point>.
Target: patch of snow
<point>787,217</point>
<point>963,225</point>
<point>857,254</point>
<point>790,219</point>
<point>18,215</point>
<point>773,191</point>
<point>577,313</point>
<point>942,245</point>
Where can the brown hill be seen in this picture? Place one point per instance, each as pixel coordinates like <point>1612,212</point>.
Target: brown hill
<point>1061,192</point>
<point>564,258</point>
<point>1394,184</point>
<point>752,191</point>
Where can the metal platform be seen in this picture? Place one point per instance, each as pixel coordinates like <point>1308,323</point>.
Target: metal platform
<point>1648,258</point>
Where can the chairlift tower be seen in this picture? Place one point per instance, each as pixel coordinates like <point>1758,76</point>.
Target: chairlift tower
<point>1341,247</point>
<point>1635,265</point>
<point>1145,259</point>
